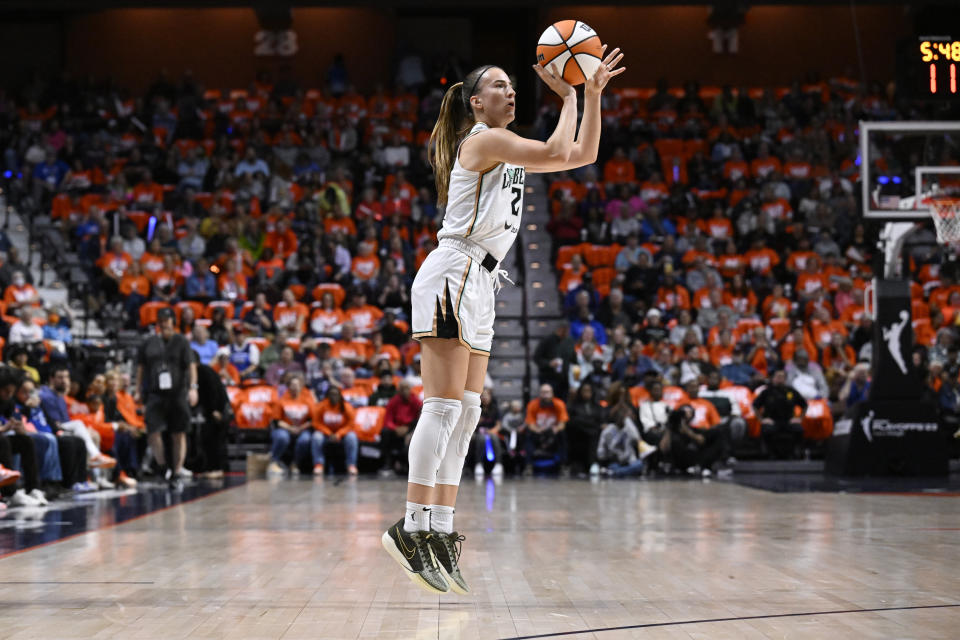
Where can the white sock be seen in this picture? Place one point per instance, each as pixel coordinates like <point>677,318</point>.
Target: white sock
<point>417,518</point>
<point>441,518</point>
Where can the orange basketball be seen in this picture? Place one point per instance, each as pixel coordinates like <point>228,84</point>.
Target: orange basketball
<point>572,47</point>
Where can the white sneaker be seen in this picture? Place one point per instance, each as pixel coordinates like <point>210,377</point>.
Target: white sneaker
<point>41,499</point>
<point>498,470</point>
<point>478,470</point>
<point>594,469</point>
<point>646,449</point>
<point>185,474</point>
<point>274,469</point>
<point>103,483</point>
<point>22,499</point>
<point>706,472</point>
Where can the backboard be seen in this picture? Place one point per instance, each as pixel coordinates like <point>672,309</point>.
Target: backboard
<point>903,159</point>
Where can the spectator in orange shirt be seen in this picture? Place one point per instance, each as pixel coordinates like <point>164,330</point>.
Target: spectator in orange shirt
<point>351,350</point>
<point>134,283</point>
<point>764,164</point>
<point>152,259</point>
<point>114,263</point>
<point>619,169</point>
<point>735,168</point>
<point>543,431</point>
<point>672,296</point>
<point>290,315</point>
<point>365,267</point>
<point>232,285</point>
<point>296,424</point>
<point>282,240</point>
<point>333,418</point>
<point>148,195</point>
<point>364,317</point>
<point>705,414</point>
<point>327,318</point>
<point>20,293</point>
<point>166,282</point>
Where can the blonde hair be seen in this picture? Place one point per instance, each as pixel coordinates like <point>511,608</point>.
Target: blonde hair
<point>455,120</point>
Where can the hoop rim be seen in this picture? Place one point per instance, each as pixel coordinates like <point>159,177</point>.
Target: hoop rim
<point>944,206</point>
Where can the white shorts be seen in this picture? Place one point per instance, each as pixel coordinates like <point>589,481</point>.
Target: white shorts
<point>453,297</point>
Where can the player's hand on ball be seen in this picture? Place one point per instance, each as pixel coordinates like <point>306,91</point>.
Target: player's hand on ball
<point>606,70</point>
<point>556,82</point>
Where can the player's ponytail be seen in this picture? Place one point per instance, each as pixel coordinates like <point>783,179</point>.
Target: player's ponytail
<point>453,119</point>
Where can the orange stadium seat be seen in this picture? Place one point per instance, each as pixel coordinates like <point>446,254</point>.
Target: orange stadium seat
<point>149,310</point>
<point>255,415</point>
<point>227,306</point>
<point>338,293</point>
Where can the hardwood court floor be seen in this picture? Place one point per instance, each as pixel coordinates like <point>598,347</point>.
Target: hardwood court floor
<point>297,559</point>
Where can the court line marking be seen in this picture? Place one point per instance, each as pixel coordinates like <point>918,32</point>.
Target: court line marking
<point>736,619</point>
<point>75,581</point>
<point>4,556</point>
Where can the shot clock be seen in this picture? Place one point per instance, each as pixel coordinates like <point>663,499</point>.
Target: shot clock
<point>929,67</point>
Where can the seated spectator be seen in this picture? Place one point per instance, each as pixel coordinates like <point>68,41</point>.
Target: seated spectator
<point>19,355</point>
<point>258,321</point>
<point>289,314</point>
<point>400,419</point>
<point>224,368</point>
<point>244,355</point>
<point>726,405</point>
<point>20,293</point>
<point>364,317</point>
<point>295,424</point>
<point>282,368</point>
<point>543,434</point>
<point>356,395</point>
<point>806,376</point>
<point>201,343</point>
<point>353,351</point>
<point>327,318</point>
<point>486,446</point>
<point>856,388</point>
<point>333,417</point>
<point>780,425</point>
<point>620,445</point>
<point>25,330</point>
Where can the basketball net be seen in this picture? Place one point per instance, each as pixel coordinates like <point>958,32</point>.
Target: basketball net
<point>945,212</point>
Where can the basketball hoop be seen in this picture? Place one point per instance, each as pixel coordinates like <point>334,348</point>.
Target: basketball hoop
<point>946,217</point>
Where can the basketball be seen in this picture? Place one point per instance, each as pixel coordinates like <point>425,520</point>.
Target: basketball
<point>572,47</point>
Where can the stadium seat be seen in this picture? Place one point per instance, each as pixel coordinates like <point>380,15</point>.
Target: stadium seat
<point>338,293</point>
<point>149,310</point>
<point>254,415</point>
<point>227,306</point>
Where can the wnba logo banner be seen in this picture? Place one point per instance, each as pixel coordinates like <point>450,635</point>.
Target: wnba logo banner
<point>893,375</point>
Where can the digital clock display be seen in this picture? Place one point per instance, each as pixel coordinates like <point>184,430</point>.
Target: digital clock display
<point>931,66</point>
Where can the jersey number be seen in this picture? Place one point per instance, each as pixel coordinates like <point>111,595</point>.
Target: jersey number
<point>515,205</point>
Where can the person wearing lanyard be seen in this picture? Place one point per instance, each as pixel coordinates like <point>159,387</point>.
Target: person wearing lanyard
<point>167,386</point>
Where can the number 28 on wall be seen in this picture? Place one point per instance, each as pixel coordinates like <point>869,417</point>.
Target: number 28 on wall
<point>275,43</point>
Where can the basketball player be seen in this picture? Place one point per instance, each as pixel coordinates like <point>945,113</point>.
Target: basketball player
<point>480,168</point>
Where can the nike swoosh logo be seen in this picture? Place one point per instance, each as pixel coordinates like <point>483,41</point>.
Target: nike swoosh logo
<point>507,227</point>
<point>403,547</point>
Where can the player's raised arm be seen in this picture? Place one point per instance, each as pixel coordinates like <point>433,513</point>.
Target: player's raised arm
<point>585,148</point>
<point>501,145</point>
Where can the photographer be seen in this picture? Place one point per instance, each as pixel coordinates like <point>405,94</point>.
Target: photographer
<point>686,447</point>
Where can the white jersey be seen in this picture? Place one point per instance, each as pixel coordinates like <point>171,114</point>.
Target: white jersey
<point>484,206</point>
